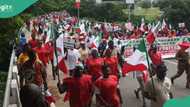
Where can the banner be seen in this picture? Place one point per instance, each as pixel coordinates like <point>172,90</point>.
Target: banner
<point>167,46</point>
<point>68,43</point>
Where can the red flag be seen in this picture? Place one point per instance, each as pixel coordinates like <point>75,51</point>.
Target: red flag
<point>62,66</point>
<point>150,38</point>
<point>131,68</point>
<point>77,4</point>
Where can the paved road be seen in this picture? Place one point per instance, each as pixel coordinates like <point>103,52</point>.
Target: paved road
<point>128,84</point>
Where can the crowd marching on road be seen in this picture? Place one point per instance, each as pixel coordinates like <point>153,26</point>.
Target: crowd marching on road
<point>92,57</point>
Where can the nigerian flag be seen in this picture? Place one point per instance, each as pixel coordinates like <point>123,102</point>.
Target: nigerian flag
<point>138,61</point>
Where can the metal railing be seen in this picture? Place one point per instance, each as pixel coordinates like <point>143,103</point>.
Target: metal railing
<point>11,96</point>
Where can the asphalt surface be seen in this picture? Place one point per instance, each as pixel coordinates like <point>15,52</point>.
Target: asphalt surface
<point>128,85</point>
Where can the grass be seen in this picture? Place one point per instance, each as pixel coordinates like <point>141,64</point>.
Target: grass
<point>149,14</point>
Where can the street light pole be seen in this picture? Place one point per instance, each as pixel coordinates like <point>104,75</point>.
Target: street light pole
<point>129,12</point>
<point>130,3</point>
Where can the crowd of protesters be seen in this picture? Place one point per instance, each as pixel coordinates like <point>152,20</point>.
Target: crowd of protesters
<point>92,64</point>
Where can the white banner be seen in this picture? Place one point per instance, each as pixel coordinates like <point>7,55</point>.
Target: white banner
<point>167,46</point>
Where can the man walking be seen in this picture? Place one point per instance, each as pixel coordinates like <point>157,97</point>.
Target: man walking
<point>183,65</point>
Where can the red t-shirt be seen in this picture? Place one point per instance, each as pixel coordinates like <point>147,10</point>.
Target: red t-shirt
<point>95,67</point>
<point>113,64</point>
<point>108,90</point>
<point>42,54</point>
<point>155,57</point>
<point>79,90</point>
<point>50,50</point>
<point>33,43</point>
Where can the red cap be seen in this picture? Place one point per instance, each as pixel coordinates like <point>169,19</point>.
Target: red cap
<point>93,45</point>
<point>104,40</point>
<point>78,30</point>
<point>184,45</point>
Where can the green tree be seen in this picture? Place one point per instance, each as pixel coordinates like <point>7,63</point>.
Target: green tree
<point>176,11</point>
<point>9,27</point>
<point>145,4</point>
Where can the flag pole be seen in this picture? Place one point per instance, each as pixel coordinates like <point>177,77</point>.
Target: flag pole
<point>152,80</point>
<point>77,4</point>
<point>78,13</point>
<point>55,49</point>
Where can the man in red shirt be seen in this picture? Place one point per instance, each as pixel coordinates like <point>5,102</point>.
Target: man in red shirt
<point>155,57</point>
<point>112,62</point>
<point>94,64</point>
<point>106,89</point>
<point>33,42</point>
<point>42,53</point>
<point>78,88</point>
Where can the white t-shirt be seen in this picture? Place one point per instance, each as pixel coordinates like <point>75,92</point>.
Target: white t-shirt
<point>72,58</point>
<point>162,89</point>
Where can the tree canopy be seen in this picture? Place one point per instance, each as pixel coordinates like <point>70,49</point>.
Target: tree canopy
<point>176,11</point>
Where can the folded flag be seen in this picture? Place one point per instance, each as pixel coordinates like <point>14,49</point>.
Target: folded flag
<point>59,55</point>
<point>62,66</point>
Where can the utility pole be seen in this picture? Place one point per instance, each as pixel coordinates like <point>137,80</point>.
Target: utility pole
<point>130,4</point>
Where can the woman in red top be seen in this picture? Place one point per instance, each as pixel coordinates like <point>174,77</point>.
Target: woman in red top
<point>106,89</point>
<point>112,62</point>
<point>78,88</point>
<point>94,64</point>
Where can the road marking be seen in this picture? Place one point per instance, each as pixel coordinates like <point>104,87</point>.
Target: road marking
<point>171,62</point>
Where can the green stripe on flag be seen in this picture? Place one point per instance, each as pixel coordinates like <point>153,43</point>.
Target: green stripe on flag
<point>141,47</point>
